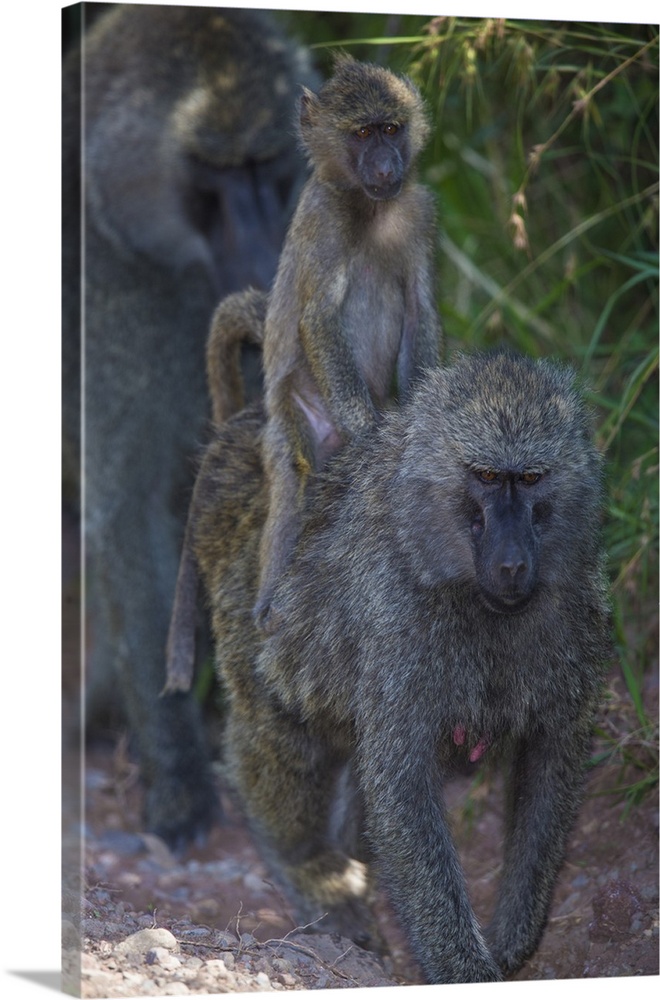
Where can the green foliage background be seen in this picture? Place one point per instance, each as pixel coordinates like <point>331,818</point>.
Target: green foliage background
<point>544,161</point>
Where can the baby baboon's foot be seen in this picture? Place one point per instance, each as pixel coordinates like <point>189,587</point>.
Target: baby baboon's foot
<point>267,616</point>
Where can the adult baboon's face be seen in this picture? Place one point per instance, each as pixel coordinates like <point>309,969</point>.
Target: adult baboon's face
<point>510,510</point>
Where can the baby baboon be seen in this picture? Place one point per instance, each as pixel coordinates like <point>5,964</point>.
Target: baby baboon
<point>446,602</point>
<point>190,178</point>
<point>352,311</point>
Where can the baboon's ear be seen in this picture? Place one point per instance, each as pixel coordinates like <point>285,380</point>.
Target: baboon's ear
<point>308,106</point>
<point>341,59</point>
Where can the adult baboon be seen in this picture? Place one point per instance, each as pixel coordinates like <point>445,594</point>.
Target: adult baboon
<point>446,601</point>
<point>190,176</point>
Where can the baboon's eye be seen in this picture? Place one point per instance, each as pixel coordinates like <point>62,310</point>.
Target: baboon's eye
<point>529,478</point>
<point>487,475</point>
<point>364,132</point>
<point>390,128</point>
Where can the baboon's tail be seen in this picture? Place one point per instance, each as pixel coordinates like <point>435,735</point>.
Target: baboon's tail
<point>238,320</point>
<point>180,652</point>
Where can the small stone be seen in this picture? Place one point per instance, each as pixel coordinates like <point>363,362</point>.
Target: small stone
<point>155,954</point>
<point>204,981</point>
<point>162,957</point>
<point>198,932</point>
<point>225,939</point>
<point>133,978</point>
<point>143,941</point>
<point>150,988</point>
<point>131,880</point>
<point>217,968</point>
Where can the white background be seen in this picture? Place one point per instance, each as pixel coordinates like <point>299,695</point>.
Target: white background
<point>30,513</point>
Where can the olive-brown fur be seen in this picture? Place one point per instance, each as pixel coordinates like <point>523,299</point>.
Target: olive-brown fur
<point>238,320</point>
<point>351,319</point>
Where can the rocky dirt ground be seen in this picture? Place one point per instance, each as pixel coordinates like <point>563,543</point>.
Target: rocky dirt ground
<point>212,921</point>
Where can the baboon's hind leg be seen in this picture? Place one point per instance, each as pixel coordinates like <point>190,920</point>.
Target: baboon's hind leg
<point>295,793</point>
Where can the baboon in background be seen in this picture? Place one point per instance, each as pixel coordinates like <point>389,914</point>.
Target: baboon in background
<point>446,602</point>
<point>351,315</point>
<point>191,174</point>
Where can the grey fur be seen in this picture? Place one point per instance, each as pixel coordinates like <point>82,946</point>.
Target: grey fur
<point>392,659</point>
